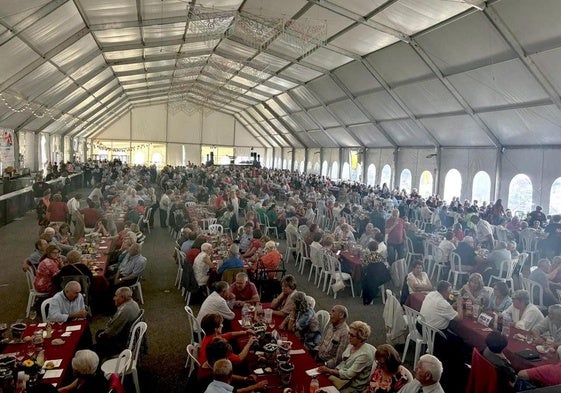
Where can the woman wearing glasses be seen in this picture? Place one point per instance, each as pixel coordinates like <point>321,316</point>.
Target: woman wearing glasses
<point>353,373</point>
<point>49,267</point>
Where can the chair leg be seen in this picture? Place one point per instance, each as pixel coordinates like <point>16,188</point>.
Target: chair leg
<point>407,340</point>
<point>418,346</point>
<point>352,288</point>
<point>188,298</point>
<point>135,380</point>
<point>30,302</point>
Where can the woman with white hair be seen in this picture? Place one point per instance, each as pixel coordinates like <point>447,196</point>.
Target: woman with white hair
<point>202,264</point>
<point>88,379</point>
<point>271,259</point>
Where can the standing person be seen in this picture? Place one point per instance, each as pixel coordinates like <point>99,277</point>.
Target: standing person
<point>427,376</point>
<point>73,205</point>
<point>395,231</point>
<point>43,206</point>
<point>165,204</point>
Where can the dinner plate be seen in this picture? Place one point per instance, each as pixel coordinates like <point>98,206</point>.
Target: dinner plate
<point>542,349</point>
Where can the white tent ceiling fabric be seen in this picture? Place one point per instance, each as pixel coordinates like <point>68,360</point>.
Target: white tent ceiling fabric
<point>379,73</point>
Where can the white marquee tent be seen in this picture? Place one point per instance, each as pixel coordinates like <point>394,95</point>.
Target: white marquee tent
<point>425,86</point>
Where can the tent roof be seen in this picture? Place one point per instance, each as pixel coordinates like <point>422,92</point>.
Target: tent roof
<point>305,73</point>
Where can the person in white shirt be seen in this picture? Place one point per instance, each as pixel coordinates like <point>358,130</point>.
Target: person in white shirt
<point>446,246</point>
<point>523,314</point>
<point>217,302</point>
<point>68,304</point>
<point>202,264</point>
<point>165,204</point>
<point>436,310</point>
<point>427,376</point>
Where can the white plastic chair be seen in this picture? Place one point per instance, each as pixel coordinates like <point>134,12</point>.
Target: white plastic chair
<point>290,246</point>
<point>269,227</point>
<point>197,332</point>
<point>438,264</point>
<point>214,229</point>
<point>180,263</point>
<point>323,318</point>
<point>410,254</point>
<point>505,272</point>
<point>316,265</point>
<point>429,334</point>
<point>44,308</point>
<point>33,294</point>
<point>456,269</point>
<point>135,344</point>
<point>138,287</point>
<point>122,364</point>
<point>333,266</point>
<point>411,316</point>
<point>302,253</point>
<point>535,290</point>
<point>192,354</point>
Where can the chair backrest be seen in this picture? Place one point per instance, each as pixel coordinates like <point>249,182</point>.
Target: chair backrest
<point>193,352</point>
<point>483,377</point>
<point>409,244</point>
<point>455,261</point>
<point>213,229</point>
<point>429,334</point>
<point>315,256</point>
<point>133,324</point>
<point>30,277</point>
<point>311,301</point>
<point>323,319</point>
<point>535,290</point>
<point>230,275</point>
<point>189,203</point>
<point>290,239</point>
<point>303,229</point>
<point>398,271</point>
<point>136,342</point>
<point>45,308</point>
<point>411,317</point>
<point>506,268</point>
<point>439,255</point>
<point>196,331</point>
<point>522,257</point>
<point>123,363</point>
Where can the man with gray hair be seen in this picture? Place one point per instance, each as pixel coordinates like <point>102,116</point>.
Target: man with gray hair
<point>427,376</point>
<point>551,325</point>
<point>244,290</point>
<point>131,268</point>
<point>68,304</point>
<point>113,338</point>
<point>540,275</point>
<point>222,377</point>
<point>217,302</point>
<point>336,337</point>
<point>234,261</point>
<point>524,314</point>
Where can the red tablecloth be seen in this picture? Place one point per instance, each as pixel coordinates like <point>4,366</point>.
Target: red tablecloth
<point>473,334</point>
<point>53,352</point>
<point>355,264</point>
<point>98,266</point>
<point>300,380</point>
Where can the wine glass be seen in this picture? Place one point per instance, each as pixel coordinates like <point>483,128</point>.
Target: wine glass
<point>3,328</point>
<point>32,315</point>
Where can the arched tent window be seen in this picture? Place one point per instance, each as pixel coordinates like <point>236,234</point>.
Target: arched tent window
<point>452,185</point>
<point>138,158</point>
<point>324,168</point>
<point>316,168</point>
<point>520,193</point>
<point>555,197</point>
<point>335,170</point>
<point>225,160</point>
<point>295,166</point>
<point>371,175</point>
<point>386,176</point>
<point>302,164</point>
<point>425,184</point>
<point>481,187</point>
<point>157,158</point>
<point>346,173</point>
<point>405,180</point>
<point>356,175</point>
<point>285,164</point>
<point>44,155</point>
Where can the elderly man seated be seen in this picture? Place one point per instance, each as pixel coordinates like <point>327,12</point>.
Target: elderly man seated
<point>217,302</point>
<point>68,304</point>
<point>244,290</point>
<point>540,275</point>
<point>523,314</point>
<point>549,326</point>
<point>427,376</point>
<point>336,337</point>
<point>131,268</point>
<point>436,310</point>
<point>113,338</point>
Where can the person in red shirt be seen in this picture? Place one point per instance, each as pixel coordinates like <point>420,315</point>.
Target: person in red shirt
<point>57,210</point>
<point>91,215</point>
<point>395,230</point>
<point>244,290</point>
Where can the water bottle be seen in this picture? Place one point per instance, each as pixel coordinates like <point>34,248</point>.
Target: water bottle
<point>506,325</point>
<point>245,315</point>
<point>259,312</point>
<point>314,385</point>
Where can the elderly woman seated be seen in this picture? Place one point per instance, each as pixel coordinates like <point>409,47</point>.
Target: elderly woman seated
<point>270,260</point>
<point>353,373</point>
<point>303,321</point>
<point>88,379</point>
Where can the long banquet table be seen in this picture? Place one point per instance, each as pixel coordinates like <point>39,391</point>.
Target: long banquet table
<point>71,332</point>
<point>473,334</point>
<point>300,380</point>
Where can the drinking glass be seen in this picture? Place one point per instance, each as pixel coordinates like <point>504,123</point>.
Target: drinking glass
<point>32,315</point>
